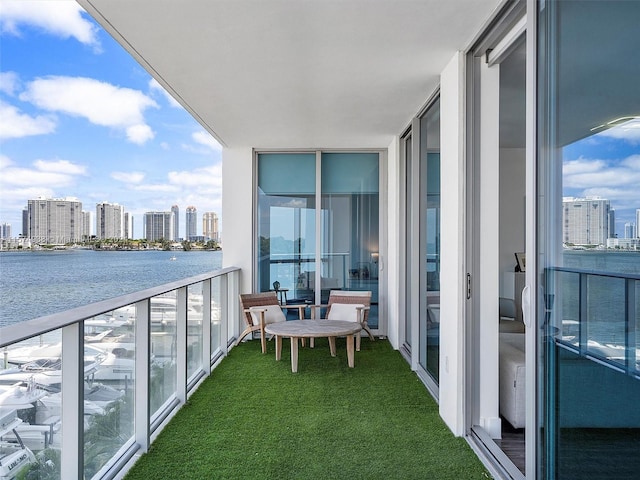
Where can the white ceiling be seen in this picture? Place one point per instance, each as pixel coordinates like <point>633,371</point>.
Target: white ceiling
<point>305,73</point>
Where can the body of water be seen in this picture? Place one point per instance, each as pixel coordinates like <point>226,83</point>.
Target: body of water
<point>33,284</point>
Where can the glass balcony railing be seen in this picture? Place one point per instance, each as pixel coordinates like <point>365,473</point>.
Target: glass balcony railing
<point>82,391</point>
<point>596,315</point>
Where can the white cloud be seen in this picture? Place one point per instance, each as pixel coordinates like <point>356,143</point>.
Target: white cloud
<point>628,131</point>
<point>48,174</point>
<point>594,173</point>
<point>9,82</point>
<point>204,138</point>
<point>14,124</point>
<point>154,86</point>
<point>59,18</point>
<point>165,146</point>
<point>139,134</point>
<point>156,188</point>
<point>200,177</point>
<point>99,102</point>
<point>60,166</point>
<point>128,177</point>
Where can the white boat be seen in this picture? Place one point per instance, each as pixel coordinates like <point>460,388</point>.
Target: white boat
<point>15,457</point>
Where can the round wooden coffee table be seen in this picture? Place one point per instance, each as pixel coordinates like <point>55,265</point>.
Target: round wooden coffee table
<point>297,329</point>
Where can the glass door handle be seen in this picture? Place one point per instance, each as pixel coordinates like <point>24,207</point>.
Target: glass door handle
<point>526,306</point>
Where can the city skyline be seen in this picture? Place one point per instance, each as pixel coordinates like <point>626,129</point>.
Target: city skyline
<point>80,118</point>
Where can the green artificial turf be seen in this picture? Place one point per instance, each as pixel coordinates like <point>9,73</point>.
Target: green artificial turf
<point>254,419</point>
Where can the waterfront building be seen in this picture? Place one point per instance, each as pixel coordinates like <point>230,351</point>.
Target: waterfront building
<point>158,225</point>
<point>54,220</point>
<point>176,222</point>
<point>624,243</point>
<point>128,225</point>
<point>410,149</point>
<point>191,223</point>
<point>210,226</point>
<point>612,223</point>
<point>585,221</point>
<point>25,222</point>
<point>5,231</point>
<point>86,225</point>
<point>638,222</point>
<point>630,230</point>
<point>109,220</point>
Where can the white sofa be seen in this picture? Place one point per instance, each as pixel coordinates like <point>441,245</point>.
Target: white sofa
<point>512,378</point>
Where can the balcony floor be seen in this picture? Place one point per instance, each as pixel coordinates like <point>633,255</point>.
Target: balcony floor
<point>253,418</point>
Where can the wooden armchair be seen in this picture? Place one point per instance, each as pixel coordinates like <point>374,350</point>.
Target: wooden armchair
<point>261,309</point>
<point>349,305</point>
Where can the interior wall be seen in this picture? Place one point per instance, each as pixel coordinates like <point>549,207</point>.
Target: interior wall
<point>512,210</point>
<point>452,275</point>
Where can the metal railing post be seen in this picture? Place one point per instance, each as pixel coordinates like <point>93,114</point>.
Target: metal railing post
<point>142,391</point>
<point>72,412</point>
<point>181,344</point>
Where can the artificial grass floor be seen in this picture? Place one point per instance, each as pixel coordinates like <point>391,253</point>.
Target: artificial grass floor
<point>254,419</point>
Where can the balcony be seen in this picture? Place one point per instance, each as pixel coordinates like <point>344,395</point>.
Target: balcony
<point>114,374</point>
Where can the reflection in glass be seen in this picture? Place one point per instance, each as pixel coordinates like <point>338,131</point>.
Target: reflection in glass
<point>350,210</point>
<point>216,314</point>
<point>429,355</point>
<point>194,328</point>
<point>589,126</point>
<point>286,225</point>
<point>30,383</point>
<point>163,378</point>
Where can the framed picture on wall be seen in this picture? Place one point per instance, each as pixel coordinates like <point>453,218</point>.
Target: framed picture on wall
<point>520,262</point>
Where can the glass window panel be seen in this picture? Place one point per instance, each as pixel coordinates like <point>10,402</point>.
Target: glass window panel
<point>109,402</point>
<point>349,218</point>
<point>286,225</point>
<point>194,328</point>
<point>31,381</point>
<point>429,351</point>
<point>163,377</point>
<point>216,315</point>
<point>589,119</point>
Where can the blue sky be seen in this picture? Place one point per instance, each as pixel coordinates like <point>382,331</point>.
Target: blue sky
<point>607,165</point>
<point>80,118</point>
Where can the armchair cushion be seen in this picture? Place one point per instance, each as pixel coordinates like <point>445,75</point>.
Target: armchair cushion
<point>350,312</point>
<point>272,314</point>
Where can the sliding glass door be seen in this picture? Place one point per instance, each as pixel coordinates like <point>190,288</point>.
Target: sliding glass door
<point>318,225</point>
<point>588,266</point>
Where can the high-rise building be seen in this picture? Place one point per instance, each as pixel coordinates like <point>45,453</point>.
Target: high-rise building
<point>210,226</point>
<point>630,230</point>
<point>5,231</point>
<point>585,221</point>
<point>109,220</point>
<point>158,225</point>
<point>638,223</point>
<point>86,225</point>
<point>54,220</point>
<point>176,222</point>
<point>191,225</point>
<point>612,223</point>
<point>25,223</point>
<point>128,225</point>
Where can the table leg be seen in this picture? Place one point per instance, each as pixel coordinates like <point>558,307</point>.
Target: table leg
<point>332,346</point>
<point>294,354</point>
<point>278,347</point>
<point>350,351</point>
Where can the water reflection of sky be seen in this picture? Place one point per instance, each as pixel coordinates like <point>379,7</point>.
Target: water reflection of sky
<point>607,165</point>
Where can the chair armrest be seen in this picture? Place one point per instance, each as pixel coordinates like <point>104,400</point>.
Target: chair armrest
<point>300,308</point>
<point>314,308</point>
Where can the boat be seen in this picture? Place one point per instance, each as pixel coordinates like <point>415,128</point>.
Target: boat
<point>173,257</point>
<point>15,457</point>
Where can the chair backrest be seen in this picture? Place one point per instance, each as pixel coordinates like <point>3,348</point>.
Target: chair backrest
<point>350,297</point>
<point>248,300</point>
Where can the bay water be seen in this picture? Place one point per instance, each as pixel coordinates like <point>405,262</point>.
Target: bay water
<point>37,283</point>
